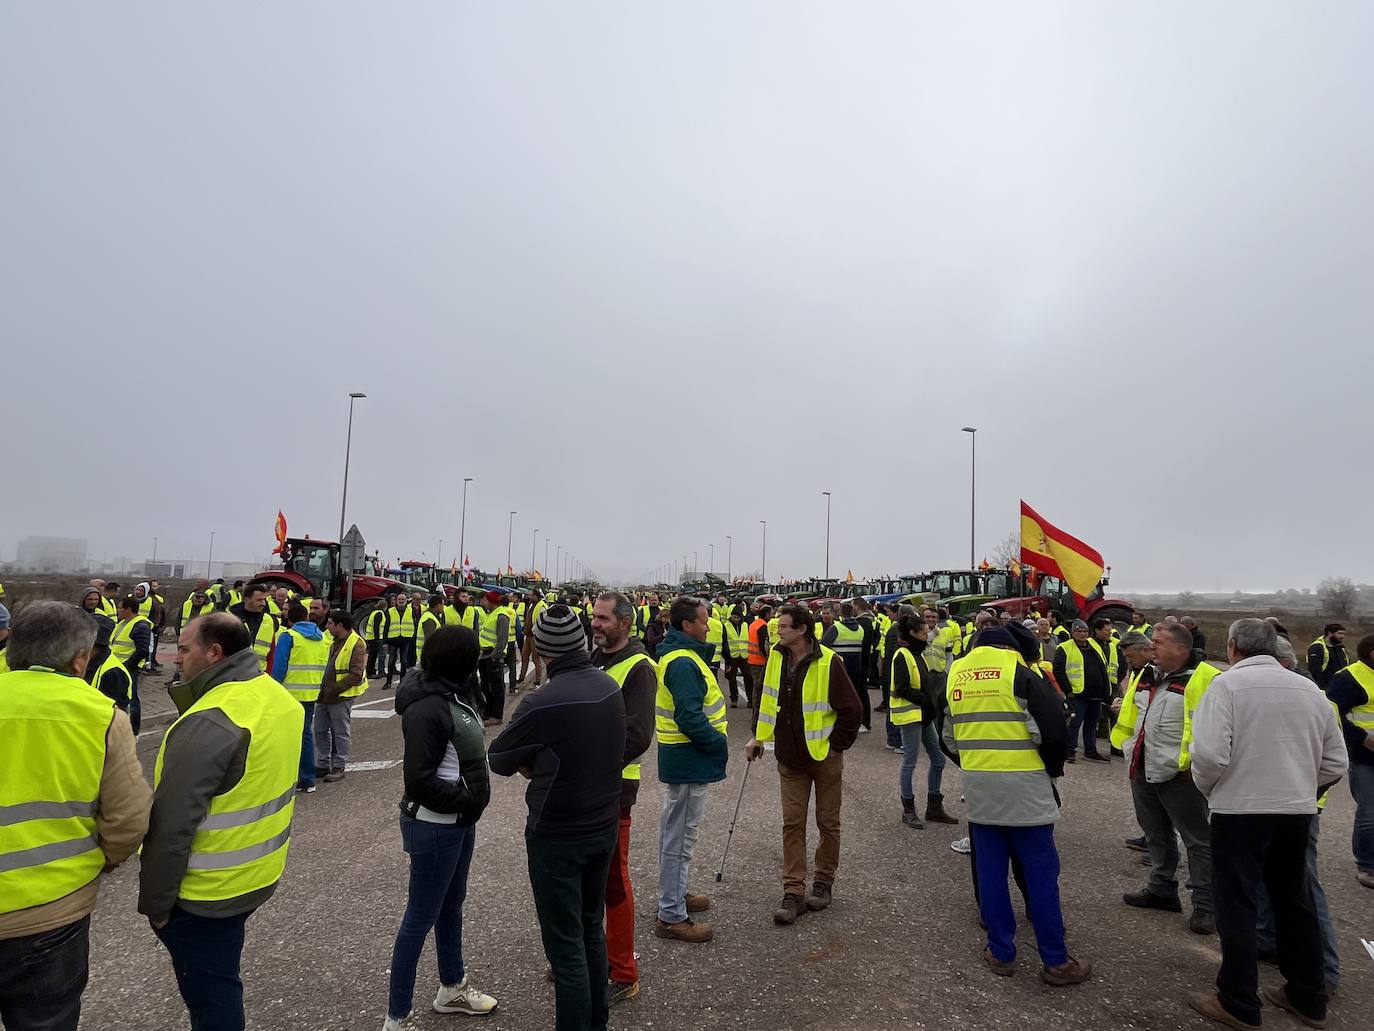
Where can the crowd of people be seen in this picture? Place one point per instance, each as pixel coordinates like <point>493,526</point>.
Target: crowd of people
<point>1234,761</point>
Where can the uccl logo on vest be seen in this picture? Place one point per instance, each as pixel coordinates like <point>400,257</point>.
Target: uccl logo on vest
<point>968,676</point>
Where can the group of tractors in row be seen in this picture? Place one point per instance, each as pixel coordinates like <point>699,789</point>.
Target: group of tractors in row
<point>313,567</point>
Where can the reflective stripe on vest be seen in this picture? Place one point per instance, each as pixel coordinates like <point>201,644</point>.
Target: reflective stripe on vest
<point>305,665</point>
<point>402,623</point>
<point>122,640</point>
<point>990,726</point>
<point>343,659</point>
<point>374,626</point>
<point>48,845</point>
<point>262,640</point>
<point>489,625</point>
<point>241,844</point>
<point>712,705</point>
<point>818,718</point>
<point>899,710</point>
<point>1362,716</point>
<point>618,673</point>
<point>847,641</point>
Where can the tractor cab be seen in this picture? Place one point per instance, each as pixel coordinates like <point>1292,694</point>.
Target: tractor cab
<point>315,561</point>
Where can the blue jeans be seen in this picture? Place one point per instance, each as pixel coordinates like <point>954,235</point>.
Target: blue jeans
<point>916,736</point>
<point>306,773</point>
<point>1034,847</point>
<point>1362,790</point>
<point>42,977</point>
<point>678,829</point>
<point>440,855</point>
<point>205,958</point>
<point>1268,933</point>
<point>1086,712</point>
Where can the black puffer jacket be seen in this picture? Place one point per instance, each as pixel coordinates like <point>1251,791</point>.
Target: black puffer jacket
<point>428,709</point>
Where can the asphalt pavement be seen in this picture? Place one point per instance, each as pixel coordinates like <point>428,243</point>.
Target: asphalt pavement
<point>899,947</point>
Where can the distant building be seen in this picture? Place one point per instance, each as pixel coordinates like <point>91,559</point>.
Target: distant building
<point>51,555</point>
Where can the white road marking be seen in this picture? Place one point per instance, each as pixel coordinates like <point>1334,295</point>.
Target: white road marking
<point>369,714</point>
<point>375,701</point>
<point>373,764</point>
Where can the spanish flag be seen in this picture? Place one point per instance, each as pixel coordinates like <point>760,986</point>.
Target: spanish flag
<point>279,530</point>
<point>1050,550</point>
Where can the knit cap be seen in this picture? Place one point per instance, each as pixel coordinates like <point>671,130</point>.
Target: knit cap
<point>558,631</point>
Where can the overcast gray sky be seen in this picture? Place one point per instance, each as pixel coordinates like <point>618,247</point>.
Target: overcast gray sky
<point>651,273</point>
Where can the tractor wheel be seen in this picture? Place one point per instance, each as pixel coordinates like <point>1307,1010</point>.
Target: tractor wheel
<point>361,610</point>
<point>1118,614</point>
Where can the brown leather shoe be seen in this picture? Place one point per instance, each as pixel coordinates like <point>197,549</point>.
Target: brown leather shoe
<point>683,931</point>
<point>697,903</point>
<point>1279,997</point>
<point>792,907</point>
<point>996,965</point>
<point>820,897</point>
<point>1210,1006</point>
<point>1074,971</point>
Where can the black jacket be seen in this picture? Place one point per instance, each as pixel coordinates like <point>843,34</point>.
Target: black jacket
<point>570,735</point>
<point>1346,694</point>
<point>641,687</point>
<point>426,708</point>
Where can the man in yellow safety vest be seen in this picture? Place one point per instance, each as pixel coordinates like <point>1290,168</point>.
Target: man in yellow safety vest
<point>811,710</point>
<point>690,719</point>
<point>345,680</point>
<point>224,795</point>
<point>1351,691</point>
<point>73,802</point>
<point>299,659</point>
<point>629,665</point>
<point>1004,725</point>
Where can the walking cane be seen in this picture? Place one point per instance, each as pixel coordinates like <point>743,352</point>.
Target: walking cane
<point>743,781</point>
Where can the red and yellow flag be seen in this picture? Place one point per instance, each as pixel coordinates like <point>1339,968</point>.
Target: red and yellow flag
<point>1051,550</point>
<point>279,529</point>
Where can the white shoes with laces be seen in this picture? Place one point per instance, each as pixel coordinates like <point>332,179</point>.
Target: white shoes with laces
<point>406,1023</point>
<point>463,998</point>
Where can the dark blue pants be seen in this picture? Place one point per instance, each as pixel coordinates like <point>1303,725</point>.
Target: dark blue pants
<point>568,879</point>
<point>1034,848</point>
<point>42,977</point>
<point>440,856</point>
<point>306,772</point>
<point>1086,713</point>
<point>205,958</point>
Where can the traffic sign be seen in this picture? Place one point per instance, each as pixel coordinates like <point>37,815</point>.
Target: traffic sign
<point>353,554</point>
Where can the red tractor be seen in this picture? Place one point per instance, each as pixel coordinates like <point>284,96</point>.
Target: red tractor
<point>311,567</point>
<point>1053,594</point>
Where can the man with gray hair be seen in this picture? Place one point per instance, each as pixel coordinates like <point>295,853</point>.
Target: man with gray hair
<point>61,823</point>
<point>1155,727</point>
<point>1266,745</point>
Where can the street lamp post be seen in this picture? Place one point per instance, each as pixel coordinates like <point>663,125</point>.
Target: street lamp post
<point>729,554</point>
<point>439,554</point>
<point>510,532</point>
<point>534,543</point>
<point>972,431</point>
<point>546,556</point>
<point>211,556</point>
<point>827,533</point>
<point>343,501</point>
<point>557,564</point>
<point>463,529</point>
<point>763,572</point>
<point>713,558</point>
<point>695,566</point>
<point>154,561</point>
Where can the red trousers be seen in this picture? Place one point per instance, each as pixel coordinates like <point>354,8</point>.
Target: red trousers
<point>620,910</point>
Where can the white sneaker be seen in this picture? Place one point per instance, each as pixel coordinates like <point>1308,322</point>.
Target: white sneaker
<point>961,846</point>
<point>463,998</point>
<point>863,729</point>
<point>406,1023</point>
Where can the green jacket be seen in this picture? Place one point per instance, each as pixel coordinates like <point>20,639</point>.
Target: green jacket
<point>701,760</point>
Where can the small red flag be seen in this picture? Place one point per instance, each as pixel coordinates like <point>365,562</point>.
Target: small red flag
<point>280,531</point>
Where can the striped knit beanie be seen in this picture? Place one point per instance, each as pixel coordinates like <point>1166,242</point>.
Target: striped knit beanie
<point>558,631</point>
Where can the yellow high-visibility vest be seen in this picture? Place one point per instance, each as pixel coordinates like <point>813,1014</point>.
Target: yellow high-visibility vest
<point>402,622</point>
<point>738,640</point>
<point>374,626</point>
<point>240,845</point>
<point>305,665</point>
<point>715,637</point>
<point>262,640</point>
<point>1073,662</point>
<point>712,706</point>
<point>1193,690</point>
<point>470,617</point>
<point>429,622</point>
<point>111,665</point>
<point>343,658</point>
<point>188,612</point>
<point>990,725</point>
<point>818,718</point>
<point>619,672</point>
<point>122,640</point>
<point>899,710</point>
<point>48,845</point>
<point>1362,715</point>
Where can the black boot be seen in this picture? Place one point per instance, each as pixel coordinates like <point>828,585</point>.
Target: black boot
<point>935,809</point>
<point>909,816</point>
